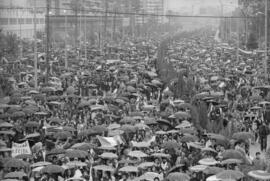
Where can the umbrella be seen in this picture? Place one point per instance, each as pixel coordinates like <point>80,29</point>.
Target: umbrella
<point>141,126</point>
<point>198,168</point>
<point>76,154</point>
<point>62,135</point>
<point>32,124</point>
<point>114,126</point>
<point>182,115</point>
<point>170,145</point>
<point>108,155</point>
<point>150,176</point>
<point>24,156</point>
<point>176,167</point>
<point>7,133</point>
<point>232,154</point>
<point>208,161</point>
<point>177,176</point>
<point>212,170</point>
<point>128,128</point>
<point>146,165</point>
<point>161,132</point>
<point>99,129</point>
<point>231,161</point>
<point>160,155</point>
<point>214,178</point>
<point>128,120</point>
<point>129,169</point>
<point>137,154</point>
<point>243,136</point>
<point>15,163</point>
<point>52,169</point>
<point>76,164</point>
<point>220,139</point>
<point>149,121</point>
<point>18,175</point>
<point>56,151</point>
<point>115,132</point>
<point>55,120</point>
<point>104,168</point>
<point>17,114</point>
<point>172,131</point>
<point>209,150</point>
<point>83,146</point>
<point>259,174</point>
<point>40,164</point>
<point>6,125</point>
<point>189,138</point>
<point>230,174</point>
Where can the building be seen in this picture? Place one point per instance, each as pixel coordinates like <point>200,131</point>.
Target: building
<point>16,16</point>
<point>157,7</point>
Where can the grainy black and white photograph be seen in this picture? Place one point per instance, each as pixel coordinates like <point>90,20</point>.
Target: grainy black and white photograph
<point>134,90</point>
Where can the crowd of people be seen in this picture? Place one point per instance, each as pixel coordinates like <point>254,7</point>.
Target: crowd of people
<point>184,108</point>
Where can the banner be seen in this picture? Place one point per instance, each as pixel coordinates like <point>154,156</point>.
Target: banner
<point>20,148</point>
<point>110,141</point>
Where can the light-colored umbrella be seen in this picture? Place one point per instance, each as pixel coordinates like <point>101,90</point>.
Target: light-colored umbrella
<point>208,161</point>
<point>230,174</point>
<point>18,175</point>
<point>198,168</point>
<point>259,174</point>
<point>137,154</point>
<point>108,155</point>
<point>104,168</point>
<point>177,176</point>
<point>128,169</point>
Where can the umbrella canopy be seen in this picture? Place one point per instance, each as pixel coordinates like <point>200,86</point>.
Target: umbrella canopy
<point>189,138</point>
<point>108,155</point>
<point>227,154</point>
<point>15,163</point>
<point>18,175</point>
<point>177,176</point>
<point>146,165</point>
<point>137,154</point>
<point>40,164</point>
<point>243,136</point>
<point>76,164</point>
<point>170,145</point>
<point>128,169</point>
<point>230,174</point>
<point>259,174</point>
<point>52,169</point>
<point>212,170</point>
<point>198,168</point>
<point>76,154</point>
<point>208,161</point>
<point>182,115</point>
<point>231,161</point>
<point>104,168</point>
<point>24,156</point>
<point>150,176</point>
<point>160,155</point>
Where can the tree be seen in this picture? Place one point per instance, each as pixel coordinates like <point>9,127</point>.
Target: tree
<point>9,45</point>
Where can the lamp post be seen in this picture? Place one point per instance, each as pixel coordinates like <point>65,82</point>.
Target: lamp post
<point>66,61</point>
<point>266,39</point>
<point>35,45</point>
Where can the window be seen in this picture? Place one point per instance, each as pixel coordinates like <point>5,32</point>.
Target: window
<point>28,20</point>
<point>3,21</point>
<point>13,21</point>
<point>41,21</point>
<point>21,21</point>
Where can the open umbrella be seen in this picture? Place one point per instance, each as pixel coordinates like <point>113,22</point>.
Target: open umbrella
<point>230,174</point>
<point>137,154</point>
<point>128,169</point>
<point>104,168</point>
<point>40,164</point>
<point>52,169</point>
<point>146,165</point>
<point>170,145</point>
<point>259,175</point>
<point>56,151</point>
<point>6,125</point>
<point>76,154</point>
<point>18,175</point>
<point>231,161</point>
<point>24,156</point>
<point>227,154</point>
<point>76,164</point>
<point>83,146</point>
<point>189,138</point>
<point>212,170</point>
<point>62,135</point>
<point>208,161</point>
<point>198,168</point>
<point>15,163</point>
<point>243,136</point>
<point>149,176</point>
<point>182,115</point>
<point>177,176</point>
<point>108,155</point>
<point>160,155</point>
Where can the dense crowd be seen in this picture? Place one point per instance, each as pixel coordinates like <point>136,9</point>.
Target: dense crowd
<point>189,113</point>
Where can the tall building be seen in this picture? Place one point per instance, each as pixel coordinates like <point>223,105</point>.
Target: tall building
<point>17,16</point>
<point>157,7</point>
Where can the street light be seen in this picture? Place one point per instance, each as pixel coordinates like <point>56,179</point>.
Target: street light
<point>66,61</point>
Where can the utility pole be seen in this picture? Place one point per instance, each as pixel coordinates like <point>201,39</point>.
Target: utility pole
<point>105,21</point>
<point>85,47</point>
<point>48,39</point>
<point>238,38</point>
<point>66,61</point>
<point>35,44</point>
<point>114,23</point>
<point>266,39</point>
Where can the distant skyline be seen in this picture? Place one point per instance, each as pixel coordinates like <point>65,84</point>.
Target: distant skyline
<point>178,4</point>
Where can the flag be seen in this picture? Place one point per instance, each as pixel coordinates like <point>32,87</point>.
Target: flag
<point>110,141</point>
